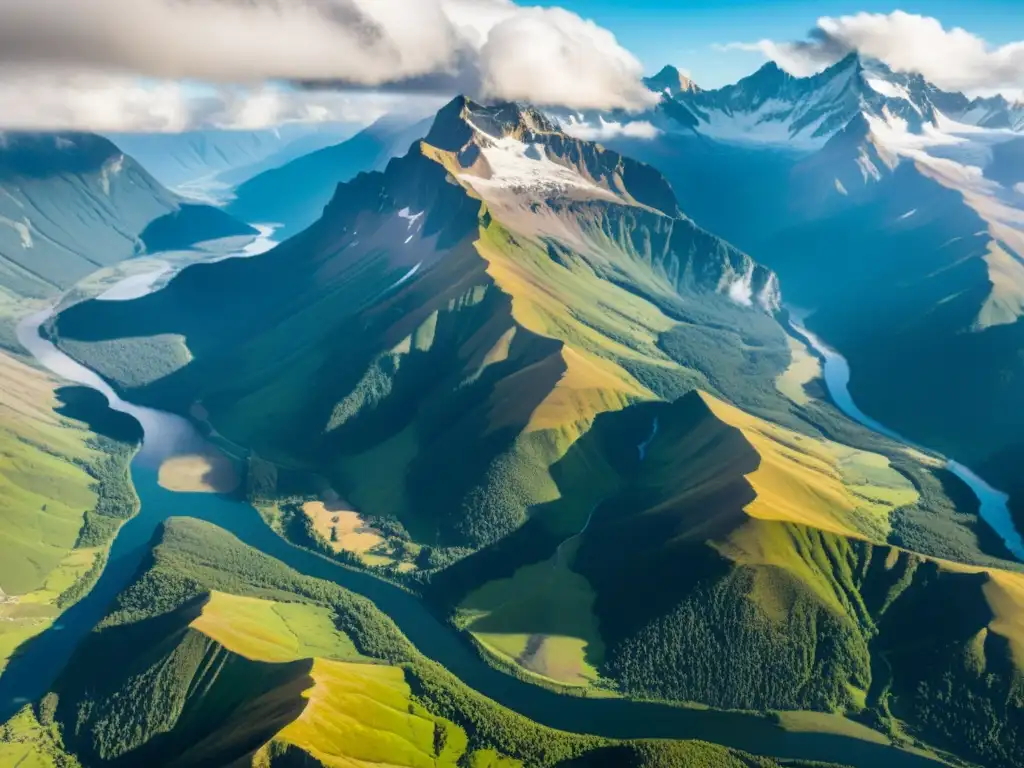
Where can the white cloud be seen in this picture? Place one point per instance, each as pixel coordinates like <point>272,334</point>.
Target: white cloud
<point>604,130</point>
<point>33,100</point>
<point>953,59</point>
<point>549,56</point>
<point>488,48</point>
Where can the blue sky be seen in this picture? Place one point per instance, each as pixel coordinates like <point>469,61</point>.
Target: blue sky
<point>681,32</point>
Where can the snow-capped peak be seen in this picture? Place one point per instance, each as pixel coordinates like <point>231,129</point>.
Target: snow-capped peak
<point>671,82</point>
<point>774,107</point>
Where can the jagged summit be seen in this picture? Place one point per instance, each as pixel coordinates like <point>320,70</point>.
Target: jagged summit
<point>511,150</point>
<point>772,106</point>
<point>671,82</point>
<point>457,122</point>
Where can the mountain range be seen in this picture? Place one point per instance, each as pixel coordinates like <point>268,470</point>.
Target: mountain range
<point>72,203</point>
<point>864,187</point>
<point>531,437</point>
<point>213,161</point>
<point>549,394</point>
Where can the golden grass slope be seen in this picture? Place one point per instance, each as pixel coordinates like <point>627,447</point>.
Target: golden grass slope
<point>354,713</point>
<point>816,482</point>
<point>363,715</point>
<point>44,496</point>
<point>264,630</point>
<point>1005,302</point>
<point>803,369</point>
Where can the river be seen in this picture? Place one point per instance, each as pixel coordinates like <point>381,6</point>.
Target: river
<point>31,673</point>
<point>993,509</point>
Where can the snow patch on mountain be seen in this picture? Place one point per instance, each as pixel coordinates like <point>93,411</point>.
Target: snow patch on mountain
<point>409,216</point>
<point>525,169</point>
<point>891,90</point>
<point>768,124</point>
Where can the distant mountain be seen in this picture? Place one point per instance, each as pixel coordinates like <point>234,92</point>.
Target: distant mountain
<point>992,112</point>
<point>227,157</point>
<point>773,107</point>
<point>294,194</point>
<point>671,82</point>
<point>894,209</point>
<point>72,203</point>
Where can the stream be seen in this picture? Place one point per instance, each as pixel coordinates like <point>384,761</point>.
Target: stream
<point>31,673</point>
<point>993,503</point>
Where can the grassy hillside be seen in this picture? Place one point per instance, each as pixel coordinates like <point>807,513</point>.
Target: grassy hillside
<point>459,337</point>
<point>938,356</point>
<point>220,655</point>
<point>740,564</point>
<point>65,489</point>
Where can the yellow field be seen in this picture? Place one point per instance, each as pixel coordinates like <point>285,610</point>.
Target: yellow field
<point>816,482</point>
<point>208,472</point>
<point>541,619</point>
<point>264,630</point>
<point>341,526</point>
<point>803,369</point>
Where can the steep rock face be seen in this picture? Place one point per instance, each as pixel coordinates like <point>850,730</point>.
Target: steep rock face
<point>293,194</point>
<point>457,320</point>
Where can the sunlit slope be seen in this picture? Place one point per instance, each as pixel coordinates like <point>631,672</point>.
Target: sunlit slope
<point>454,323</point>
<point>203,660</point>
<point>348,713</point>
<point>45,490</point>
<point>732,470</point>
<point>738,563</point>
<point>181,674</point>
<point>64,491</point>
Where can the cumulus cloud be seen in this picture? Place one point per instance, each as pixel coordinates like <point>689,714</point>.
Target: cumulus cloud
<point>953,59</point>
<point>488,48</point>
<point>52,101</point>
<point>605,130</point>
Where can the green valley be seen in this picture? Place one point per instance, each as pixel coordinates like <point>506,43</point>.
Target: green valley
<point>65,488</point>
<point>504,460</point>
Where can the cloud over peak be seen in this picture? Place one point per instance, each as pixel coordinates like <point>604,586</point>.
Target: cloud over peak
<point>490,49</point>
<point>953,59</point>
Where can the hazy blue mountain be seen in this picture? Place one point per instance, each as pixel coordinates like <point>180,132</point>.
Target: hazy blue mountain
<point>294,194</point>
<point>72,203</point>
<point>226,156</point>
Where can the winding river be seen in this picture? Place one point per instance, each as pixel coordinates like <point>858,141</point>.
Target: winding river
<point>993,503</point>
<point>31,673</point>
